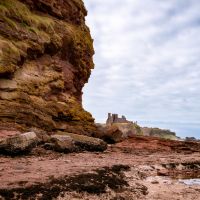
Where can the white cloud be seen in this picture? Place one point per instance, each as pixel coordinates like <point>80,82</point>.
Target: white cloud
<point>147,59</point>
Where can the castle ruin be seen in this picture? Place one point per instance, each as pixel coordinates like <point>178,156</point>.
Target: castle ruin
<point>113,118</point>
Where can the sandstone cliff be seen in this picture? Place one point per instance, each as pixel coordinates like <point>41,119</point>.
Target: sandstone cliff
<point>45,59</point>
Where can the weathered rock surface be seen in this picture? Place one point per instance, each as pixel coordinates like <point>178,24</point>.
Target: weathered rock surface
<point>83,142</point>
<point>62,143</point>
<point>45,59</point>
<point>19,143</point>
<point>110,134</point>
<point>154,144</point>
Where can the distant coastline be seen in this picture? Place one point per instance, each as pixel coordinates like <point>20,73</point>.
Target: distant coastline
<point>182,129</point>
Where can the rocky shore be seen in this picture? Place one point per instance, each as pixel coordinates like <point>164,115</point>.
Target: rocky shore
<point>137,168</point>
<point>50,147</point>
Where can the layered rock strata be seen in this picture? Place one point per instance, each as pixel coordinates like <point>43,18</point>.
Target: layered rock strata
<point>45,59</point>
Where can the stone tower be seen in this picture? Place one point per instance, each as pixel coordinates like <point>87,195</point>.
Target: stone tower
<point>109,120</point>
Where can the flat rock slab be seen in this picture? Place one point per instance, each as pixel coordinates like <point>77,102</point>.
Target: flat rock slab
<point>83,142</point>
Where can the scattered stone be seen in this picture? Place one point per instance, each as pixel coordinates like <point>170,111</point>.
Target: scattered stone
<point>63,143</point>
<point>155,182</point>
<point>49,146</point>
<point>19,143</point>
<point>162,172</point>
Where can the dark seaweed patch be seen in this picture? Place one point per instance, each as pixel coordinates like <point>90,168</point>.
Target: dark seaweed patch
<point>94,182</point>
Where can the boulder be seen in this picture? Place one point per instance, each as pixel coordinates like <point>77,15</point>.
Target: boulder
<point>62,143</point>
<point>115,134</point>
<point>85,143</point>
<point>19,143</point>
<point>118,132</point>
<point>110,134</point>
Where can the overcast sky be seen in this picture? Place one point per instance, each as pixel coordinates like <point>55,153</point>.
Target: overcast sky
<point>147,62</point>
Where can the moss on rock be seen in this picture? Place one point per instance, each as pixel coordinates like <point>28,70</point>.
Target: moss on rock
<point>47,53</point>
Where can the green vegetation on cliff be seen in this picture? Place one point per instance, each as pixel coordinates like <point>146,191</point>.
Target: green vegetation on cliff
<point>47,56</point>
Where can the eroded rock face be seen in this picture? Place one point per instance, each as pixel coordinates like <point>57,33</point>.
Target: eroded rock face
<point>45,59</point>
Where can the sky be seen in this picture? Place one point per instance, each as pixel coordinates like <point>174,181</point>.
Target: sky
<point>147,62</point>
